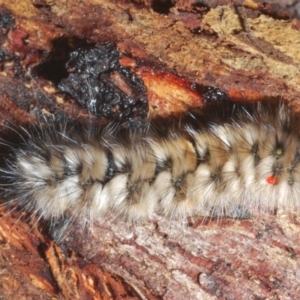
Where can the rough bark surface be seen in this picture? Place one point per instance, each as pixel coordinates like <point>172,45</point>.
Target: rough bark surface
<point>175,47</point>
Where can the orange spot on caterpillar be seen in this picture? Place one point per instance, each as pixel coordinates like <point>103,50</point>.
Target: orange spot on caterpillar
<point>271,180</point>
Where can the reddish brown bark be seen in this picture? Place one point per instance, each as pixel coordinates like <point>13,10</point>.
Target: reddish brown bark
<point>247,54</point>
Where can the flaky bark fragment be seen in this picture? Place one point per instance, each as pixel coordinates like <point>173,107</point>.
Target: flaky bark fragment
<point>247,54</point>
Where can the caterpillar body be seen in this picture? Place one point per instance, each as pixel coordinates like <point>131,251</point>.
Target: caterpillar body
<point>226,167</point>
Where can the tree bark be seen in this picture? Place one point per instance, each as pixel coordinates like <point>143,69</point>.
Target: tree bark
<point>176,48</point>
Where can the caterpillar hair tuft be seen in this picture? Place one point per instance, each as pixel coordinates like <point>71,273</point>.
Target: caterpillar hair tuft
<point>249,161</point>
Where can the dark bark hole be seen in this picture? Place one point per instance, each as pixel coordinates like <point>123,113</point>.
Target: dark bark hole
<point>54,67</point>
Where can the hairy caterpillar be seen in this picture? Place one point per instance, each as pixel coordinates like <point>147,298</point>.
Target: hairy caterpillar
<point>250,161</point>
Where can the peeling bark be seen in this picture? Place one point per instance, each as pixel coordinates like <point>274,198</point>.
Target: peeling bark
<point>176,48</point>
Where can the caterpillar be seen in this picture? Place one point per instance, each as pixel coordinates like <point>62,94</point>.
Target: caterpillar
<point>247,161</point>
